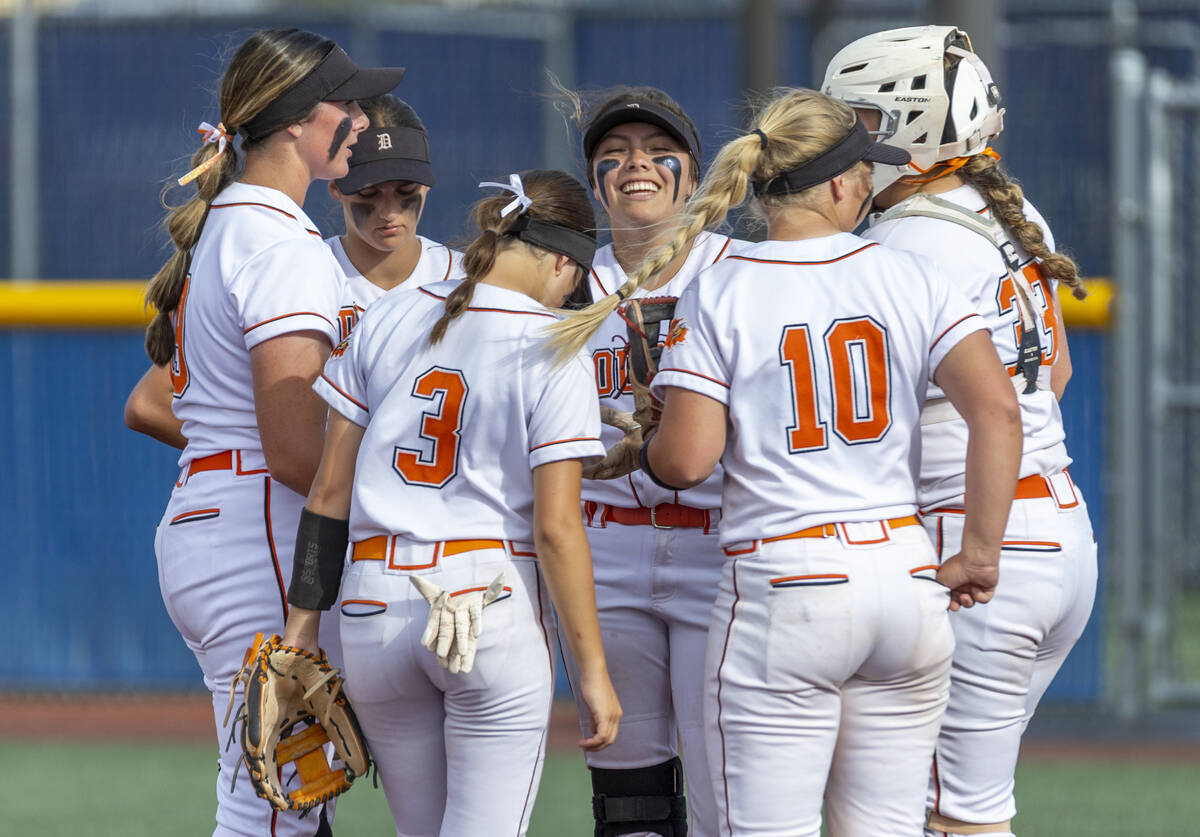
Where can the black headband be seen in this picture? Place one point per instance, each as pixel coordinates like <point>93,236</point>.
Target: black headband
<point>856,145</point>
<point>383,154</point>
<point>577,246</point>
<point>335,78</point>
<point>641,111</point>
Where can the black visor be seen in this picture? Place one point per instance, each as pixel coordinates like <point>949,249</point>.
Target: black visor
<point>641,111</point>
<point>577,246</point>
<point>335,79</point>
<point>856,145</point>
<point>383,154</point>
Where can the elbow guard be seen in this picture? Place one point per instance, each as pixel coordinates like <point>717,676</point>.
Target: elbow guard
<point>317,565</point>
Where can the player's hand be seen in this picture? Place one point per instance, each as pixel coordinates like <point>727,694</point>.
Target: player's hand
<point>621,458</point>
<point>971,577</point>
<point>601,701</point>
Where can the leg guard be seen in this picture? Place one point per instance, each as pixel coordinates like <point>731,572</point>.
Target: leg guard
<point>643,799</point>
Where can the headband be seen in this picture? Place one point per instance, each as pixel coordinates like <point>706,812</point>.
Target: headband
<point>856,145</point>
<point>382,154</point>
<point>335,78</point>
<point>577,246</point>
<point>640,111</point>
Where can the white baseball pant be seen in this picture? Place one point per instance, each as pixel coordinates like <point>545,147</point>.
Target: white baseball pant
<point>828,671</point>
<point>224,548</point>
<point>457,754</point>
<point>1009,650</point>
<point>654,594</point>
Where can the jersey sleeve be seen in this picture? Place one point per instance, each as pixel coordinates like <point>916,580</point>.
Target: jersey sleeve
<point>342,383</point>
<point>564,421</point>
<point>691,357</point>
<point>952,315</point>
<point>294,285</point>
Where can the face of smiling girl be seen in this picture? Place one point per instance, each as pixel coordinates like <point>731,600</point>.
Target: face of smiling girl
<point>642,174</point>
<point>384,215</point>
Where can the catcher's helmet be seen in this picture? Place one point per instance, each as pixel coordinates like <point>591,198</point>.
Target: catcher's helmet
<point>935,97</point>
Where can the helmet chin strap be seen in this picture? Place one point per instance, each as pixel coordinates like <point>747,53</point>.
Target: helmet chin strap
<point>945,167</point>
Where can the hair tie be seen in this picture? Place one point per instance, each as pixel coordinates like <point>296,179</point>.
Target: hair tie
<point>762,139</point>
<point>212,135</point>
<point>622,294</point>
<point>521,202</point>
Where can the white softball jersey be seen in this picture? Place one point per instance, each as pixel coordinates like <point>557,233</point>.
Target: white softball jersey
<point>822,350</point>
<point>436,263</point>
<point>977,269</point>
<point>608,348</point>
<point>454,431</point>
<point>260,270</point>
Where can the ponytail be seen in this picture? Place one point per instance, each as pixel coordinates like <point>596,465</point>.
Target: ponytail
<point>477,261</point>
<point>184,224</point>
<point>1006,201</point>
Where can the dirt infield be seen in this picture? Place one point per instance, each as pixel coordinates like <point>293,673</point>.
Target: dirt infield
<point>142,717</point>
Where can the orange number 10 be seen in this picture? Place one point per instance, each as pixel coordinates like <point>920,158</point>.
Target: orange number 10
<point>857,356</point>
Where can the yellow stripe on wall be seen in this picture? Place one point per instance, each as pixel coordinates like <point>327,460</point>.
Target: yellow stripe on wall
<point>119,304</point>
<point>74,304</point>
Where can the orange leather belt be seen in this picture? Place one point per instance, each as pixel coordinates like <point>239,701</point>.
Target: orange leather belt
<point>222,461</point>
<point>662,516</point>
<point>1033,487</point>
<point>375,549</point>
<point>829,530</point>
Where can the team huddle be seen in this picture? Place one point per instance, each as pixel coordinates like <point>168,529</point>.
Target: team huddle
<point>795,513</point>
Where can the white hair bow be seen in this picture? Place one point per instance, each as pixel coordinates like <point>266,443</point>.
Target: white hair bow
<point>211,134</point>
<point>520,203</point>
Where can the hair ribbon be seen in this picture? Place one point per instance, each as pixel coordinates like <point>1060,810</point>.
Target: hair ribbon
<point>212,134</point>
<point>520,203</point>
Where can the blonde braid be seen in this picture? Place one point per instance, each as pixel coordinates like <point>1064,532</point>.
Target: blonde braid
<point>1006,201</point>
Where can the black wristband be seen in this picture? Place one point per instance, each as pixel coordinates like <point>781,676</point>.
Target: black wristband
<point>317,565</point>
<point>644,463</point>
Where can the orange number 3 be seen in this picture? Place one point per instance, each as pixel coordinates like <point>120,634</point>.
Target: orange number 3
<point>857,355</point>
<point>441,426</point>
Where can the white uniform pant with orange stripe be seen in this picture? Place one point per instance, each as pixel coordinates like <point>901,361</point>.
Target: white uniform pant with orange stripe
<point>828,671</point>
<point>654,594</point>
<point>458,754</point>
<point>1008,651</point>
<point>224,550</point>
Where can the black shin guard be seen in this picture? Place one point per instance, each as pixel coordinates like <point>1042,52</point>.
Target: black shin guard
<point>640,799</point>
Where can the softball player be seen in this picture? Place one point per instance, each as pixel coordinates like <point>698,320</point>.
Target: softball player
<point>382,198</point>
<point>954,204</point>
<point>801,364</point>
<point>656,556</point>
<point>453,458</point>
<point>248,309</point>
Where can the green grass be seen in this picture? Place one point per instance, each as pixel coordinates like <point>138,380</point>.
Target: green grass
<point>104,790</point>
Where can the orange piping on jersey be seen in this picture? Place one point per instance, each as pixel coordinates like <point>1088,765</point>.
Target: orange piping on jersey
<point>728,241</point>
<point>950,329</point>
<point>563,442</point>
<point>344,394</point>
<point>493,310</point>
<point>267,206</point>
<point>598,282</point>
<point>805,264</point>
<point>197,514</point>
<point>916,570</point>
<point>449,263</point>
<point>285,316</point>
<point>699,375</point>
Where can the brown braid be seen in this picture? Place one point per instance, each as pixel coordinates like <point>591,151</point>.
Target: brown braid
<point>1006,201</point>
<point>267,64</point>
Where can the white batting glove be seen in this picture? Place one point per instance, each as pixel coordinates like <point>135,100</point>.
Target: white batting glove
<point>454,623</point>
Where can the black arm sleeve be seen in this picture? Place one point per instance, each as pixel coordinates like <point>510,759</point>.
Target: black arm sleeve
<point>317,565</point>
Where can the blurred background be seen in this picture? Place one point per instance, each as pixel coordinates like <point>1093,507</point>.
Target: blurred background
<point>98,111</point>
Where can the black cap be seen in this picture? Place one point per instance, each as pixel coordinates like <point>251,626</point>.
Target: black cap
<point>856,145</point>
<point>383,154</point>
<point>640,110</point>
<point>336,78</point>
